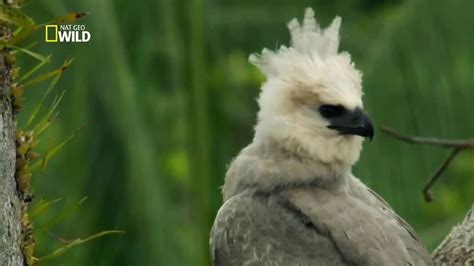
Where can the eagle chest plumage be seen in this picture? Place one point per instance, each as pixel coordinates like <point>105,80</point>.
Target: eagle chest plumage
<point>307,225</point>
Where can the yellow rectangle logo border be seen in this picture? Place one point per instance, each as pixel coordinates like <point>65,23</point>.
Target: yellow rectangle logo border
<point>47,39</point>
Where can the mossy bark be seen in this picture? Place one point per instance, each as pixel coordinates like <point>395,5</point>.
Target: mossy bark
<point>10,203</point>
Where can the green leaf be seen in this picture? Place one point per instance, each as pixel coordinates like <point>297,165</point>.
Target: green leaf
<point>68,18</point>
<point>35,68</point>
<point>22,34</point>
<point>40,103</point>
<point>26,31</point>
<point>43,77</point>
<point>15,16</point>
<point>50,154</point>
<point>77,242</point>
<point>32,54</point>
<point>48,75</point>
<point>44,123</point>
<point>42,206</point>
<point>51,86</point>
<point>65,213</point>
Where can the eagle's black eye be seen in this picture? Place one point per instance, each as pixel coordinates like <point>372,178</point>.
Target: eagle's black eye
<point>331,111</point>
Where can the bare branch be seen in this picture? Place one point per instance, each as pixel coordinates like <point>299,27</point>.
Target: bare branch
<point>446,143</point>
<point>457,146</point>
<point>426,190</point>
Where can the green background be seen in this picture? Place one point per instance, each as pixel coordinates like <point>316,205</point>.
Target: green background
<point>167,99</point>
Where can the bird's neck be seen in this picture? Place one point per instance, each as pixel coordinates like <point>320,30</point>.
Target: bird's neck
<point>269,166</point>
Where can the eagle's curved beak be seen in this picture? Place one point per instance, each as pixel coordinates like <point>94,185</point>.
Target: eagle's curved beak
<point>354,122</point>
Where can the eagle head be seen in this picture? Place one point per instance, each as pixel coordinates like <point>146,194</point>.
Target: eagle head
<point>311,102</point>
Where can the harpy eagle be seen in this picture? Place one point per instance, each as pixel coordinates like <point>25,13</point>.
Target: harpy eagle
<point>290,197</point>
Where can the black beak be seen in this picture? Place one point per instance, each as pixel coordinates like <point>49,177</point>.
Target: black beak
<point>353,123</point>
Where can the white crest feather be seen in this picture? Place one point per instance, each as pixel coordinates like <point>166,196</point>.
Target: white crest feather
<point>308,41</point>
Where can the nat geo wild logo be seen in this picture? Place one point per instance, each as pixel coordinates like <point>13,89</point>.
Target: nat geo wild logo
<point>67,33</point>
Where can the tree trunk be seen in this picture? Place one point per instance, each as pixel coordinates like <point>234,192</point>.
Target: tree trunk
<point>458,247</point>
<point>10,204</point>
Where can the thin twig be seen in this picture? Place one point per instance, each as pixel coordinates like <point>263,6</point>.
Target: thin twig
<point>446,143</point>
<point>457,146</point>
<point>427,189</point>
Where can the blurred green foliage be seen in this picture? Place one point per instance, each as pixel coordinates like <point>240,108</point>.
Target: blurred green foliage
<point>168,99</point>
